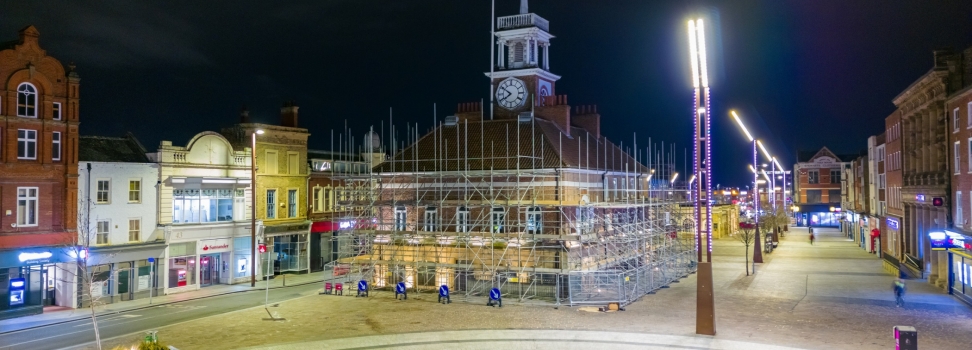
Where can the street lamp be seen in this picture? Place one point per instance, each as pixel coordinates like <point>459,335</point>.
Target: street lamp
<point>757,247</point>
<point>673,179</point>
<point>253,255</point>
<point>702,169</point>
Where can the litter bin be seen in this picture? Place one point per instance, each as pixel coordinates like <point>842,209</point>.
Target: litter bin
<point>905,338</point>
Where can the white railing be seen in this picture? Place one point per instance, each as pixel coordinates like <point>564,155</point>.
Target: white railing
<point>524,20</point>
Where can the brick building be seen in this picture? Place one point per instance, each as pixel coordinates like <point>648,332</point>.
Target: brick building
<point>38,171</point>
<point>817,186</point>
<point>892,236</point>
<point>959,109</point>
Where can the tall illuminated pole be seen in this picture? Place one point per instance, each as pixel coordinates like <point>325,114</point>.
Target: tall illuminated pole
<point>780,167</point>
<point>772,181</point>
<point>705,302</point>
<point>253,256</point>
<point>757,247</point>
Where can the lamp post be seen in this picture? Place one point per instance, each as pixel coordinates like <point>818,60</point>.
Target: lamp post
<point>757,247</point>
<point>253,244</point>
<point>702,170</point>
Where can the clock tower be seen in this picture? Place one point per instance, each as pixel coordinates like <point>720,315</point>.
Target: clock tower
<point>522,71</point>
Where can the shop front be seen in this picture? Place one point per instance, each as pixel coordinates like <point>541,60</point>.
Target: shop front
<point>28,280</point>
<point>120,273</point>
<point>204,256</point>
<point>818,215</point>
<point>289,248</point>
<point>960,274</point>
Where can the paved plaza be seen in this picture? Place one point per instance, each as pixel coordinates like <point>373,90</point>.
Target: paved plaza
<point>832,295</point>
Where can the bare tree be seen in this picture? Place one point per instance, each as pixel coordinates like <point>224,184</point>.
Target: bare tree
<point>80,273</point>
<point>747,235</point>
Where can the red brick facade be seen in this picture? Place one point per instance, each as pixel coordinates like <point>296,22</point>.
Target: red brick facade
<point>51,113</point>
<point>958,109</point>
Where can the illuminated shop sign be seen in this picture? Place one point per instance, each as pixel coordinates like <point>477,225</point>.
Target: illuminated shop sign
<point>893,224</point>
<point>35,257</point>
<point>320,165</point>
<point>946,240</point>
<point>920,197</point>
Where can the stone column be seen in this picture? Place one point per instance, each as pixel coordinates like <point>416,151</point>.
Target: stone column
<point>500,54</point>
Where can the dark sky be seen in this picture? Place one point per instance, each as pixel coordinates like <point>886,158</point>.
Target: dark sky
<point>803,74</point>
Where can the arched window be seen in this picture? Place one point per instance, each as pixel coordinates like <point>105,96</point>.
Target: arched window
<point>26,101</point>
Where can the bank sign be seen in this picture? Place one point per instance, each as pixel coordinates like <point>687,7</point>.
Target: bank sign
<point>209,246</point>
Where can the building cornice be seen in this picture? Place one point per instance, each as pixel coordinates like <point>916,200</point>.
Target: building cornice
<point>523,72</point>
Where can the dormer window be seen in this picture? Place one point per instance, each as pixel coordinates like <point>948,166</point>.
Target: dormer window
<point>26,101</point>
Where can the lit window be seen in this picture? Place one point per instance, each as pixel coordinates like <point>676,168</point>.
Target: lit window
<point>56,110</point>
<point>104,192</point>
<point>26,101</point>
<point>26,144</point>
<point>26,206</point>
<point>56,146</point>
<point>292,203</point>
<point>431,219</point>
<point>328,199</point>
<point>534,220</point>
<point>134,191</point>
<point>104,228</point>
<point>271,204</point>
<point>955,120</point>
<point>134,229</point>
<point>498,216</point>
<point>400,217</point>
<point>205,205</point>
<point>318,199</point>
<point>462,219</point>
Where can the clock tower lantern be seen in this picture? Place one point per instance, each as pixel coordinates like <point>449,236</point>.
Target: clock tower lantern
<point>522,71</point>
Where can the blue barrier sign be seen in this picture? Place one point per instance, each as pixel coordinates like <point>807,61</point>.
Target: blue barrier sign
<point>400,287</point>
<point>494,294</point>
<point>362,285</point>
<point>151,260</point>
<point>443,290</point>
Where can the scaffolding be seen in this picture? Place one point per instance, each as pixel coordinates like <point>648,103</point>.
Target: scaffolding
<point>519,213</point>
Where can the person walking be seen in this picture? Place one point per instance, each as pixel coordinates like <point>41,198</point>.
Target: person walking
<point>811,236</point>
<point>899,289</point>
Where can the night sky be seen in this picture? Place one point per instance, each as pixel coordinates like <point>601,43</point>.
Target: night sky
<point>802,74</point>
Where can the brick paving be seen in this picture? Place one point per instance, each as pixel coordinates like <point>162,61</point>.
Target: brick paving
<point>831,295</point>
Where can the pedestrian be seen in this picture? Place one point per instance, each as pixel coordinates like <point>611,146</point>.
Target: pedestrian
<point>899,290</point>
<point>811,236</point>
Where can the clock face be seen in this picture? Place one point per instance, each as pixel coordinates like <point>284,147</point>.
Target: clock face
<point>511,93</point>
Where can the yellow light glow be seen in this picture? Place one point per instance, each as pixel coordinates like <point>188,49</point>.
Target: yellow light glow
<point>674,177</point>
<point>694,54</point>
<point>741,126</point>
<point>765,152</point>
<point>703,71</point>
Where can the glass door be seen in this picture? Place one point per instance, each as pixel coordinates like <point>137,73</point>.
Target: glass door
<point>207,262</point>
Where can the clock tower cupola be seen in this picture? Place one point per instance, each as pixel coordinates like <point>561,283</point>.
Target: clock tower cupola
<point>522,69</point>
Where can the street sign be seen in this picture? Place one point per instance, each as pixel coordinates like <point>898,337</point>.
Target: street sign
<point>400,288</point>
<point>151,260</point>
<point>263,248</point>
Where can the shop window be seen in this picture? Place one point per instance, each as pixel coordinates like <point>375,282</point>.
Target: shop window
<point>431,219</point>
<point>103,230</point>
<point>400,217</point>
<point>534,220</point>
<point>103,195</point>
<point>134,230</point>
<point>241,248</point>
<point>56,146</point>
<point>498,220</point>
<point>26,206</point>
<point>292,203</point>
<point>271,204</point>
<point>202,206</point>
<point>26,101</point>
<point>462,219</point>
<point>26,144</point>
<point>182,271</point>
<point>134,191</point>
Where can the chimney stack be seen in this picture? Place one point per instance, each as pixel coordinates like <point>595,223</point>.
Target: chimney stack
<point>244,115</point>
<point>288,114</point>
